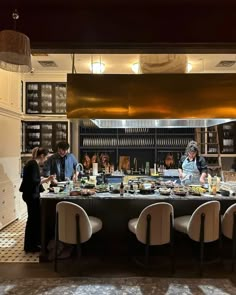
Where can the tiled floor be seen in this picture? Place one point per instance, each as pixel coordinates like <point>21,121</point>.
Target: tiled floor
<point>12,244</point>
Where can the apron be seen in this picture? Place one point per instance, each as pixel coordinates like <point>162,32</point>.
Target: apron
<point>191,172</point>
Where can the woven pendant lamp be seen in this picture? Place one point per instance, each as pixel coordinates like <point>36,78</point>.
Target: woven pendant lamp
<point>15,53</point>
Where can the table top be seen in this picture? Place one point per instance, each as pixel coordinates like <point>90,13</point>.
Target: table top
<point>127,196</point>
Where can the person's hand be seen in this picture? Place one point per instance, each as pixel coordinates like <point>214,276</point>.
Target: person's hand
<point>202,180</point>
<point>181,175</point>
<point>75,177</point>
<point>52,178</point>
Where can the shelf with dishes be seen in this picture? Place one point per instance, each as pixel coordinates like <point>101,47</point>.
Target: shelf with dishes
<point>45,98</point>
<point>141,145</point>
<point>227,133</point>
<point>43,133</point>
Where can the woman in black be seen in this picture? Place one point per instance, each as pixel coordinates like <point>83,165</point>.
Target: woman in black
<point>31,187</point>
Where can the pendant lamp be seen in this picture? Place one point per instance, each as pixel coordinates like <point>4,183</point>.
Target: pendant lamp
<point>15,53</point>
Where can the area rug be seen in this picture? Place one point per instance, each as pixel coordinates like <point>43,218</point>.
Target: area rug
<point>117,286</point>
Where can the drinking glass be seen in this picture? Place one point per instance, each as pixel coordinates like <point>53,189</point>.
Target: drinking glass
<point>135,187</point>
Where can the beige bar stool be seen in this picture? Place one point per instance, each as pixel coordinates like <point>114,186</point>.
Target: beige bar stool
<point>154,226</point>
<point>228,228</point>
<point>202,226</point>
<point>73,226</point>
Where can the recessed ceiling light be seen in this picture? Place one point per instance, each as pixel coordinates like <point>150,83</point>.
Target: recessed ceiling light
<point>97,68</point>
<point>136,68</point>
<point>189,67</point>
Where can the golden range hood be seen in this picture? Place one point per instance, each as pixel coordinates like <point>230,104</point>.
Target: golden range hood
<point>152,100</point>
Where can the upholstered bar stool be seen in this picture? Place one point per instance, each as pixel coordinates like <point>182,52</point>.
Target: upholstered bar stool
<point>73,226</point>
<point>154,226</point>
<point>202,226</point>
<point>229,229</point>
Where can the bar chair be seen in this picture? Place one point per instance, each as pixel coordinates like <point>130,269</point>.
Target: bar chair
<point>73,226</point>
<point>154,226</point>
<point>228,227</point>
<point>202,226</point>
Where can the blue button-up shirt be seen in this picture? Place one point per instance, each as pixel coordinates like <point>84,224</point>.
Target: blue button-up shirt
<point>53,166</point>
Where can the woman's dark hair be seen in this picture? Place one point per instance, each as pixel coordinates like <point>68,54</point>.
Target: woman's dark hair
<point>40,151</point>
<point>192,147</point>
<point>63,145</point>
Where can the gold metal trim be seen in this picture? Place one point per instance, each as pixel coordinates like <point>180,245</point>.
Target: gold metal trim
<point>151,96</point>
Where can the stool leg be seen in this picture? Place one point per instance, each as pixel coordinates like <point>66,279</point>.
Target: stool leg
<point>146,261</point>
<point>220,240</point>
<point>56,242</point>
<point>201,257</point>
<point>202,227</point>
<point>172,254</point>
<point>234,243</point>
<point>78,239</point>
<point>147,239</point>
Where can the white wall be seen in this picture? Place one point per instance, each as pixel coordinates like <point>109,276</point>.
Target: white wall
<point>10,142</point>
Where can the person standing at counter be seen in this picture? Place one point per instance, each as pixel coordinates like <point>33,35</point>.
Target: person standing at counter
<point>31,186</point>
<point>192,167</point>
<point>62,164</point>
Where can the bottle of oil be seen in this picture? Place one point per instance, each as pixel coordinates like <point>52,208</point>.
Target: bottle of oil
<point>122,189</point>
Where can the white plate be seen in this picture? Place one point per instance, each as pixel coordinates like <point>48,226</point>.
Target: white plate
<point>195,185</point>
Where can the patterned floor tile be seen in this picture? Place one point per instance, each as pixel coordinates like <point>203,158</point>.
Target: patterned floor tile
<point>12,243</point>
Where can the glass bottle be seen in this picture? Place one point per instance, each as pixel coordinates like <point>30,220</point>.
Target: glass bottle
<point>122,189</point>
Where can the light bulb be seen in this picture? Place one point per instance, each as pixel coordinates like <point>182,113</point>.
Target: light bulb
<point>189,67</point>
<point>136,68</point>
<point>97,68</point>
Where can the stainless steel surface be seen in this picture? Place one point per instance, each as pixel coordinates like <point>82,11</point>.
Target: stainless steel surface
<point>162,123</point>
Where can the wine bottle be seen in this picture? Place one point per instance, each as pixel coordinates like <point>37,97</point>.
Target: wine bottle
<point>122,189</point>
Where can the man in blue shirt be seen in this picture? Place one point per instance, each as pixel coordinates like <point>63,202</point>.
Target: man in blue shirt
<point>62,163</point>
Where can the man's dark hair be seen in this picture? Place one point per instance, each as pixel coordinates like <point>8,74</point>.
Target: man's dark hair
<point>63,145</point>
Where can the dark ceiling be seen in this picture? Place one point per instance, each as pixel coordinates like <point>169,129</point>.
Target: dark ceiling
<point>124,24</point>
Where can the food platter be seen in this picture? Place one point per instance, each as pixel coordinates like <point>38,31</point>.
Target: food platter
<point>165,191</point>
<point>180,193</point>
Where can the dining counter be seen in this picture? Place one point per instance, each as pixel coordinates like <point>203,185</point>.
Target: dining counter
<point>115,211</point>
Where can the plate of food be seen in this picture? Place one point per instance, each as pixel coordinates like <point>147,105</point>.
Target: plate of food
<point>87,192</point>
<point>196,190</point>
<point>164,191</point>
<point>180,191</point>
<point>88,185</point>
<point>102,188</point>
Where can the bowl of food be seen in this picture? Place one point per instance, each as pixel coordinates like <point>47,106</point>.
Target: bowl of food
<point>196,190</point>
<point>180,191</point>
<point>87,192</point>
<point>164,191</point>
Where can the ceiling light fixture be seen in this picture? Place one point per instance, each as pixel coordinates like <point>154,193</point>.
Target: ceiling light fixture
<point>15,53</point>
<point>189,67</point>
<point>136,68</point>
<point>97,67</point>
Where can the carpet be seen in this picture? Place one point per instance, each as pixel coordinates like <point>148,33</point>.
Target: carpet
<point>116,286</point>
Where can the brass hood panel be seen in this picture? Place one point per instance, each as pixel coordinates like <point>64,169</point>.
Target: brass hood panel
<point>151,96</point>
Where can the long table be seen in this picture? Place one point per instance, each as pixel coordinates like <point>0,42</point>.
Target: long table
<point>115,212</point>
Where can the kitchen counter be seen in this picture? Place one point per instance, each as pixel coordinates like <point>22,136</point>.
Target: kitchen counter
<point>115,212</point>
<point>155,196</point>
